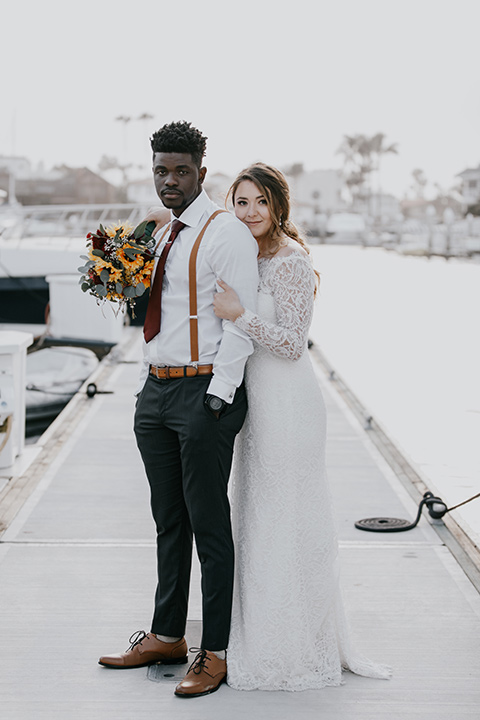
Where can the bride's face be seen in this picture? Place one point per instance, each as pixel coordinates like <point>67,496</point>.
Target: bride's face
<point>251,208</point>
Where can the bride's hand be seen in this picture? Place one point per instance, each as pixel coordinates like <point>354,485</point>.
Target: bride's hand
<point>160,216</point>
<point>226,304</point>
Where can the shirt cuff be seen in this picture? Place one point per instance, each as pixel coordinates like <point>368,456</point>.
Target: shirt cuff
<point>221,389</point>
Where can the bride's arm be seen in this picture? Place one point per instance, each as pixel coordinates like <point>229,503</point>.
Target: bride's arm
<point>294,284</point>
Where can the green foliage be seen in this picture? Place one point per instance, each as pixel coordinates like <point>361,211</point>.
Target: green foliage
<point>101,290</point>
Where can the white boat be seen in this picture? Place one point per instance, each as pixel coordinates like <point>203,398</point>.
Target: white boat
<point>46,240</point>
<point>54,375</point>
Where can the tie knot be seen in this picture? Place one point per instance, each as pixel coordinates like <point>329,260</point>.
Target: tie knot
<point>177,225</point>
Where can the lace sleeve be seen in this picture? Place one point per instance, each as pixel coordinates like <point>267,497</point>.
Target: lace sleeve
<point>292,287</point>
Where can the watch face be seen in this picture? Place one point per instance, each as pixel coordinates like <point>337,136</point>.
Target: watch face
<point>215,403</point>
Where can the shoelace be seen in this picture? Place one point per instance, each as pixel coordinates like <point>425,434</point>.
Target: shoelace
<point>135,639</point>
<point>199,663</point>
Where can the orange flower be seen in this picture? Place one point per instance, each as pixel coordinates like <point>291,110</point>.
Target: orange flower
<point>130,265</point>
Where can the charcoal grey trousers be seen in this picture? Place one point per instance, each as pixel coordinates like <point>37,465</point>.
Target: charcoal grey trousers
<point>187,453</point>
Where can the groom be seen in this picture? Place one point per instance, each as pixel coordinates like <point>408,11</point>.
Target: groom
<point>191,404</point>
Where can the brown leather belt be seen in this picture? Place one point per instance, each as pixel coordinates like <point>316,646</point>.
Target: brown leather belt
<point>168,372</point>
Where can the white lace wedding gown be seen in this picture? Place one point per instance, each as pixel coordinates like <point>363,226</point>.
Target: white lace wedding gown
<point>288,627</point>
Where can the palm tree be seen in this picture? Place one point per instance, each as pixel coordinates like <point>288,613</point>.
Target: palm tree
<point>420,181</point>
<point>362,156</point>
<point>354,149</point>
<point>378,148</point>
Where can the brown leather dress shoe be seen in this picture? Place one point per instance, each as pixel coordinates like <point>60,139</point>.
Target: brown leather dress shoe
<point>204,676</point>
<point>147,649</point>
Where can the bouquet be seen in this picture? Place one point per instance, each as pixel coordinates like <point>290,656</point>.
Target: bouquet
<point>119,263</point>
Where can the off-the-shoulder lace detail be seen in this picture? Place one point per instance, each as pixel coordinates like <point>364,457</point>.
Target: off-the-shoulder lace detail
<point>290,280</point>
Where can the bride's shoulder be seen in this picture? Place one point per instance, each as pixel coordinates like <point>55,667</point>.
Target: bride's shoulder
<point>291,248</point>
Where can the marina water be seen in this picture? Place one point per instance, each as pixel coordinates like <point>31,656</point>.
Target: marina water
<point>404,334</point>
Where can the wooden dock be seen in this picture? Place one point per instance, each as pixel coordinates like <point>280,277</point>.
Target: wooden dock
<point>77,576</point>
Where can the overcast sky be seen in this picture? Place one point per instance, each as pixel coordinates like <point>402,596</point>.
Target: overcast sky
<point>263,79</point>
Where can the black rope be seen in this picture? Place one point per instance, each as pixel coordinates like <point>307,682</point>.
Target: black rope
<point>464,502</point>
<point>436,507</point>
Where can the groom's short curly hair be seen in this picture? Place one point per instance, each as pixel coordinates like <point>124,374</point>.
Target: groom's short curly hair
<point>180,137</point>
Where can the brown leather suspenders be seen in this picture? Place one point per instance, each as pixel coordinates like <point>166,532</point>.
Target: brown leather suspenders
<point>192,285</point>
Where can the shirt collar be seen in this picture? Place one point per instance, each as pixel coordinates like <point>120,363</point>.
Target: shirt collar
<point>192,215</point>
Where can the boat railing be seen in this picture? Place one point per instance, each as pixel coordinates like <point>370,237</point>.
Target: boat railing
<point>24,221</point>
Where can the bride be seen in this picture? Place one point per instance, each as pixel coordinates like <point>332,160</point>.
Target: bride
<point>288,626</point>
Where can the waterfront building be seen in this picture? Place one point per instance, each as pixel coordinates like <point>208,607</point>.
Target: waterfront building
<point>61,185</point>
<point>316,194</point>
<point>470,179</point>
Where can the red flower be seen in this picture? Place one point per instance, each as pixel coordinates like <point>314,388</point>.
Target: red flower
<point>98,243</point>
<point>93,276</point>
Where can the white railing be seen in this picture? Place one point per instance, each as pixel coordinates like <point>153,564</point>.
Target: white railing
<point>23,221</point>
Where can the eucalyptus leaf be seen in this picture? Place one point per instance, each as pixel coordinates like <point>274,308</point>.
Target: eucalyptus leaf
<point>140,289</point>
<point>85,287</point>
<point>84,257</point>
<point>102,229</point>
<point>140,248</point>
<point>101,290</point>
<point>131,253</point>
<point>129,291</point>
<point>119,288</point>
<point>150,227</point>
<point>98,252</point>
<point>140,230</point>
<point>83,269</point>
<point>104,276</point>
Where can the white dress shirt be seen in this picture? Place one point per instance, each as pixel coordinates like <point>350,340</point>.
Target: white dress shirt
<point>228,252</point>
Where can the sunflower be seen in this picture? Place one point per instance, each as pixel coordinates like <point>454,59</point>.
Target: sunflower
<point>101,264</point>
<point>126,228</point>
<point>145,274</point>
<point>131,266</point>
<point>115,273</point>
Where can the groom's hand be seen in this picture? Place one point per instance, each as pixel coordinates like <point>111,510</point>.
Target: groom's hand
<point>215,405</point>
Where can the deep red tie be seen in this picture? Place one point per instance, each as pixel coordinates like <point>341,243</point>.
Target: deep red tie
<point>154,309</point>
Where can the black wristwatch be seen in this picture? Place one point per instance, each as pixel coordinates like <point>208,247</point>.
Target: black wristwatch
<point>215,404</point>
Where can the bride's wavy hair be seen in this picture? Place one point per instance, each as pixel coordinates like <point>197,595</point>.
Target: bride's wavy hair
<point>274,187</point>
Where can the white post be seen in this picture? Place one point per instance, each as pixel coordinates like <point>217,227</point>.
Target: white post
<point>13,363</point>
